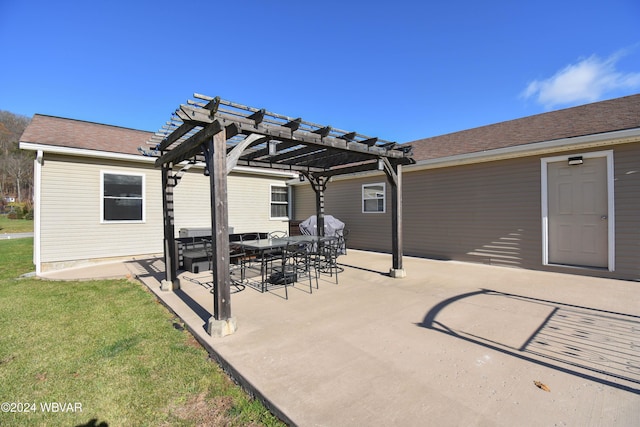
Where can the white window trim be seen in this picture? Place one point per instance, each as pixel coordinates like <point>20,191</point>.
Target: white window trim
<point>610,204</point>
<point>144,197</point>
<point>271,202</point>
<point>384,198</point>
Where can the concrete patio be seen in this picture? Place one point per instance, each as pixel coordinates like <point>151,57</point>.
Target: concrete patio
<point>450,344</point>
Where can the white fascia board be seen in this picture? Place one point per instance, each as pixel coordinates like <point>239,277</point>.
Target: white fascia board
<point>96,154</point>
<point>538,148</point>
<point>558,145</point>
<point>565,144</point>
<point>80,152</point>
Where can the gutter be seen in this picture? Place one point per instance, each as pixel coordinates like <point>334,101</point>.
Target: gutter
<point>554,146</point>
<point>81,152</point>
<point>558,145</point>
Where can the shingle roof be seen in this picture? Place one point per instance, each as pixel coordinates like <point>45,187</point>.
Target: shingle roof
<point>605,116</point>
<point>57,131</point>
<point>600,117</point>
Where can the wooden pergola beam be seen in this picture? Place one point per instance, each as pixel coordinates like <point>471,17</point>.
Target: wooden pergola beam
<point>323,131</point>
<point>294,154</point>
<point>258,116</point>
<point>362,167</point>
<point>247,126</point>
<point>293,124</point>
<point>281,166</point>
<point>234,154</point>
<point>370,142</point>
<point>265,151</point>
<point>348,136</point>
<point>191,146</point>
<point>182,130</point>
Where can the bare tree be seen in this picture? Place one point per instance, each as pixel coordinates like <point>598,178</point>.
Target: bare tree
<point>16,169</point>
<point>20,169</point>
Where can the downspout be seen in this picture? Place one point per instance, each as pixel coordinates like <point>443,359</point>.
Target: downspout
<point>290,210</point>
<point>37,191</point>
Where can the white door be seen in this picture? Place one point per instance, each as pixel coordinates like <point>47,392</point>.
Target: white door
<point>578,213</point>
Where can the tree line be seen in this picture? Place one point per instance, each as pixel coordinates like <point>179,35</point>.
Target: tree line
<point>16,166</point>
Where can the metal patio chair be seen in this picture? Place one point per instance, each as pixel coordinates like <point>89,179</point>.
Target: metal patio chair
<point>297,260</point>
<point>328,254</point>
<point>236,258</point>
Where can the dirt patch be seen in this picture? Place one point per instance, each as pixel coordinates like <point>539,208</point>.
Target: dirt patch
<point>192,342</point>
<point>205,412</point>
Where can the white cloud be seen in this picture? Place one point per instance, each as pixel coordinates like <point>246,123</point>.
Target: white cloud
<point>588,80</point>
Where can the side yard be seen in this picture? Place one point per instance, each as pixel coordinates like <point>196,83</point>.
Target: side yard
<point>104,352</point>
<point>15,225</point>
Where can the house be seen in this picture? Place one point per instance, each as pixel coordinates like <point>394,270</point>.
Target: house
<point>97,198</point>
<point>558,191</point>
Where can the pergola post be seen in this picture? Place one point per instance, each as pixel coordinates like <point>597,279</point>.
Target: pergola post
<point>319,186</point>
<point>394,176</point>
<point>221,323</point>
<point>171,281</point>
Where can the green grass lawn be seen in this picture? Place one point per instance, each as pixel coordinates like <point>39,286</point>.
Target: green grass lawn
<point>108,348</point>
<point>15,225</point>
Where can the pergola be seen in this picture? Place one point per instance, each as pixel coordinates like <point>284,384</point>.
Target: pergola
<point>222,134</point>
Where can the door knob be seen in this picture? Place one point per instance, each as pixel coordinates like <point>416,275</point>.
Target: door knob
<point>604,217</point>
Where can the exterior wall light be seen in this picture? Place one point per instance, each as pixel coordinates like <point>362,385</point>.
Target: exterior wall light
<point>273,148</point>
<point>575,161</point>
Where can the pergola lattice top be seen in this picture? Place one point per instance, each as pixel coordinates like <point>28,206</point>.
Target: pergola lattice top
<point>265,139</point>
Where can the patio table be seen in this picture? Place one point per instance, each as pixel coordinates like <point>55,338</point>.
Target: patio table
<point>264,245</point>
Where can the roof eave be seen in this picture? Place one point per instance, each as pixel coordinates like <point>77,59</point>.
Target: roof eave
<point>82,152</point>
<point>96,154</point>
<point>554,146</point>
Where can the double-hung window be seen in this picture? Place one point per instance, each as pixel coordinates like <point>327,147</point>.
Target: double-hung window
<point>279,202</point>
<point>122,197</point>
<point>373,198</point>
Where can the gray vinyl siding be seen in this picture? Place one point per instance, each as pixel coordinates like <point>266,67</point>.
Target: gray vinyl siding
<point>304,201</point>
<point>343,199</point>
<point>486,213</point>
<point>466,213</point>
<point>627,204</point>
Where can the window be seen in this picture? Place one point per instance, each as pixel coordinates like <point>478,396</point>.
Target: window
<point>279,202</point>
<point>122,197</point>
<point>373,198</point>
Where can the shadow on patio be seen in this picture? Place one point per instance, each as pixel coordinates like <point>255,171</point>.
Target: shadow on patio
<point>598,345</point>
<point>351,354</point>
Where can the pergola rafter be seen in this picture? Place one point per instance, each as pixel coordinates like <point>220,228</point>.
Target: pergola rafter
<point>222,134</point>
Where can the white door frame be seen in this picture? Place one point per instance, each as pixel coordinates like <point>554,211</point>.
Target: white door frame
<point>611,223</point>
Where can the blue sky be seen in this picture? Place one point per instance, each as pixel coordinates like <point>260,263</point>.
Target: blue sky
<point>400,70</point>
